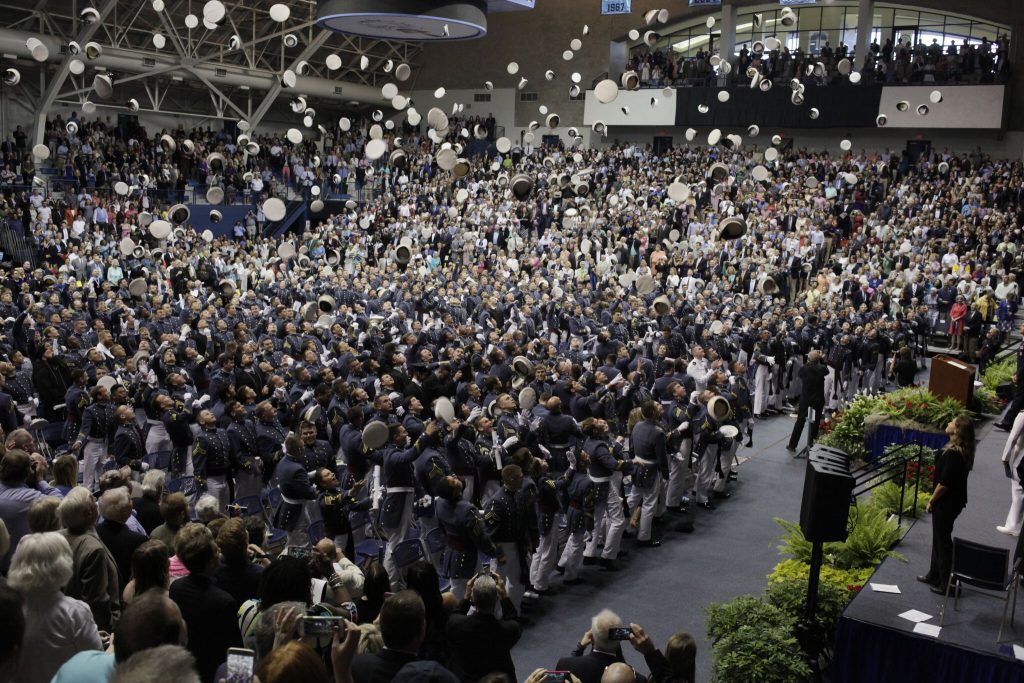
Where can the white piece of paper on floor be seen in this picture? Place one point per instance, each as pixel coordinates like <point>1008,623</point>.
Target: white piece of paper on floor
<point>927,629</point>
<point>915,616</point>
<point>885,588</point>
<point>1018,651</point>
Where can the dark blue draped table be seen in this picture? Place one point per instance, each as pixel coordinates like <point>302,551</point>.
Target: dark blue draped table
<point>887,435</point>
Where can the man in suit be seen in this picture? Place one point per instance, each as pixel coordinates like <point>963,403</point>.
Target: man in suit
<point>589,668</point>
<point>403,627</point>
<point>209,611</point>
<point>481,643</point>
<point>94,579</point>
<point>116,508</point>
<point>812,398</point>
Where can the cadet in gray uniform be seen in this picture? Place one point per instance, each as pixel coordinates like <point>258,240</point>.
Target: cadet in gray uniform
<point>650,459</point>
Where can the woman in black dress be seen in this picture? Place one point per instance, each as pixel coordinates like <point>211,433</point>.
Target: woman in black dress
<point>949,498</point>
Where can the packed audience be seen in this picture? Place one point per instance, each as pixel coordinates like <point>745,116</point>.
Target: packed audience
<point>892,63</point>
<point>370,454</point>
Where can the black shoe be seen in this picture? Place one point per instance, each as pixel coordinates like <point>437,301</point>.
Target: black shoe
<point>546,592</point>
<point>924,578</point>
<point>560,569</point>
<point>578,581</point>
<point>623,553</point>
<point>791,449</point>
<point>589,560</point>
<point>685,527</point>
<point>733,475</point>
<point>609,565</point>
<point>524,621</point>
<point>749,443</point>
<point>1004,427</point>
<point>707,505</point>
<point>722,495</point>
<point>653,543</point>
<point>954,591</point>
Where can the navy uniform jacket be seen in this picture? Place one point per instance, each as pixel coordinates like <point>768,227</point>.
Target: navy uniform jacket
<point>507,426</point>
<point>211,456</point>
<point>581,494</point>
<point>546,503</point>
<point>413,425</point>
<point>464,527</point>
<point>649,446</point>
<point>706,431</point>
<point>270,438</point>
<point>295,490</point>
<point>398,473</point>
<point>75,401</point>
<point>243,444</point>
<point>335,507</point>
<point>351,440</point>
<point>128,448</point>
<point>97,422</point>
<point>603,460</point>
<point>430,468</point>
<point>320,454</point>
<point>559,433</point>
<point>504,518</point>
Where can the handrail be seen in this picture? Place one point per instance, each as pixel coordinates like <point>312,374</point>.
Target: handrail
<point>887,467</point>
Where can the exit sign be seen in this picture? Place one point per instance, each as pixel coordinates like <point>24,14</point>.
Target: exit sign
<point>615,6</point>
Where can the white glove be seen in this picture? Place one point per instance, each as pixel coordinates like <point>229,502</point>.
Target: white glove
<point>308,394</point>
<point>510,441</point>
<point>523,421</point>
<point>683,426</point>
<point>203,400</point>
<point>400,411</point>
<point>280,393</point>
<point>475,413</point>
<point>185,329</point>
<point>208,332</point>
<point>188,398</point>
<point>545,451</point>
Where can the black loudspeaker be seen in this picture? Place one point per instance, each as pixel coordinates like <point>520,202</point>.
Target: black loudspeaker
<point>828,487</point>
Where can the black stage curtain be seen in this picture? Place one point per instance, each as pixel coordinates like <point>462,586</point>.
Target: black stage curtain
<point>840,106</point>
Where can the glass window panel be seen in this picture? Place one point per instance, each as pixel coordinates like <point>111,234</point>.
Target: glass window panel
<point>809,18</point>
<point>831,17</point>
<point>793,40</point>
<point>929,19</point>
<point>883,17</point>
<point>905,17</point>
<point>984,31</point>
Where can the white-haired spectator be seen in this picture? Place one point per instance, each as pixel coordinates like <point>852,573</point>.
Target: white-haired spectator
<point>147,506</point>
<point>56,626</point>
<point>207,509</point>
<point>605,650</point>
<point>94,578</point>
<point>164,663</point>
<point>121,541</point>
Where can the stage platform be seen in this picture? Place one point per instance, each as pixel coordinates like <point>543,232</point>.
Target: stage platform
<point>875,645</point>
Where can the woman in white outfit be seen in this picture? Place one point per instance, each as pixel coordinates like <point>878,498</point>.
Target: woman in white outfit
<point>1012,455</point>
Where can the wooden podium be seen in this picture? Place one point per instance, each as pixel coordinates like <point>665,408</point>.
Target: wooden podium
<point>952,378</point>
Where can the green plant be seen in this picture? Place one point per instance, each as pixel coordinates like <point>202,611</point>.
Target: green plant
<point>887,498</point>
<point>756,654</point>
<point>790,596</point>
<point>986,401</point>
<point>795,570</point>
<point>871,536</point>
<point>725,617</point>
<point>999,373</point>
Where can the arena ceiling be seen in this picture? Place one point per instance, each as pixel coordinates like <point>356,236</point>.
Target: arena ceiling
<point>232,68</point>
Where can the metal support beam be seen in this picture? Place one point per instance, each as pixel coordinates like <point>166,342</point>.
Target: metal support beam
<point>57,82</point>
<point>318,40</point>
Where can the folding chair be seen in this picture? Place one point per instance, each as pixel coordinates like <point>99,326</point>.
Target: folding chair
<point>252,506</point>
<point>315,531</point>
<point>158,460</point>
<point>186,485</point>
<point>407,553</point>
<point>984,568</point>
<point>370,548</point>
